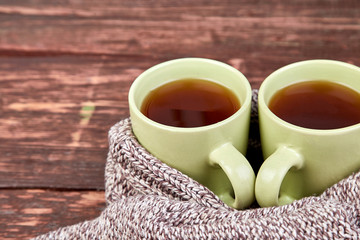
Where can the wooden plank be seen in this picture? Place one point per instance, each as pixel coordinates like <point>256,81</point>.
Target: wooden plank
<point>47,101</point>
<point>55,115</point>
<point>28,167</point>
<point>262,34</point>
<point>28,213</point>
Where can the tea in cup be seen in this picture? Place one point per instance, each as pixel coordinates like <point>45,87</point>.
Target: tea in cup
<point>309,116</point>
<point>193,114</point>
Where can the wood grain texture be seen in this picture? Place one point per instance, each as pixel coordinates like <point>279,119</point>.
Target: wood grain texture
<point>28,213</point>
<point>66,67</point>
<point>263,35</point>
<point>55,115</point>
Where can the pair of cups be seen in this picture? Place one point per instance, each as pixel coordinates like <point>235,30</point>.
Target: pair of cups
<point>299,161</point>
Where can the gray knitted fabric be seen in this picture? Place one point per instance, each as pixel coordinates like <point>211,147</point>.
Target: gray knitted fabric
<point>146,199</point>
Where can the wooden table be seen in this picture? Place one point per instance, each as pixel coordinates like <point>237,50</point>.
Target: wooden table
<point>66,68</point>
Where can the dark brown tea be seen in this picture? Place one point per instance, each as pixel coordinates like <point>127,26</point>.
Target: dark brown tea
<point>317,105</point>
<point>190,103</point>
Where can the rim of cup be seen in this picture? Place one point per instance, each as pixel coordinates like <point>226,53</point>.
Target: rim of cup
<point>137,81</point>
<point>269,79</point>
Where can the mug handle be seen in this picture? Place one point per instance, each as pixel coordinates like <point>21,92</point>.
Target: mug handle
<point>239,172</point>
<point>271,175</point>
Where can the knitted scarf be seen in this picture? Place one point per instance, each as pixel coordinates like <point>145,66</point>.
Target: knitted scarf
<point>147,199</point>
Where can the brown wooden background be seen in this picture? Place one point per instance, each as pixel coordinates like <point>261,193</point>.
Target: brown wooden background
<point>66,67</point>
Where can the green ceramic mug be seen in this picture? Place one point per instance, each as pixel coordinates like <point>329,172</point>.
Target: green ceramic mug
<point>213,154</point>
<point>302,161</point>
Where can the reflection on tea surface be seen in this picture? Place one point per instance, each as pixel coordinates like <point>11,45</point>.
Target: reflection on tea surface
<point>317,104</point>
<point>190,103</point>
